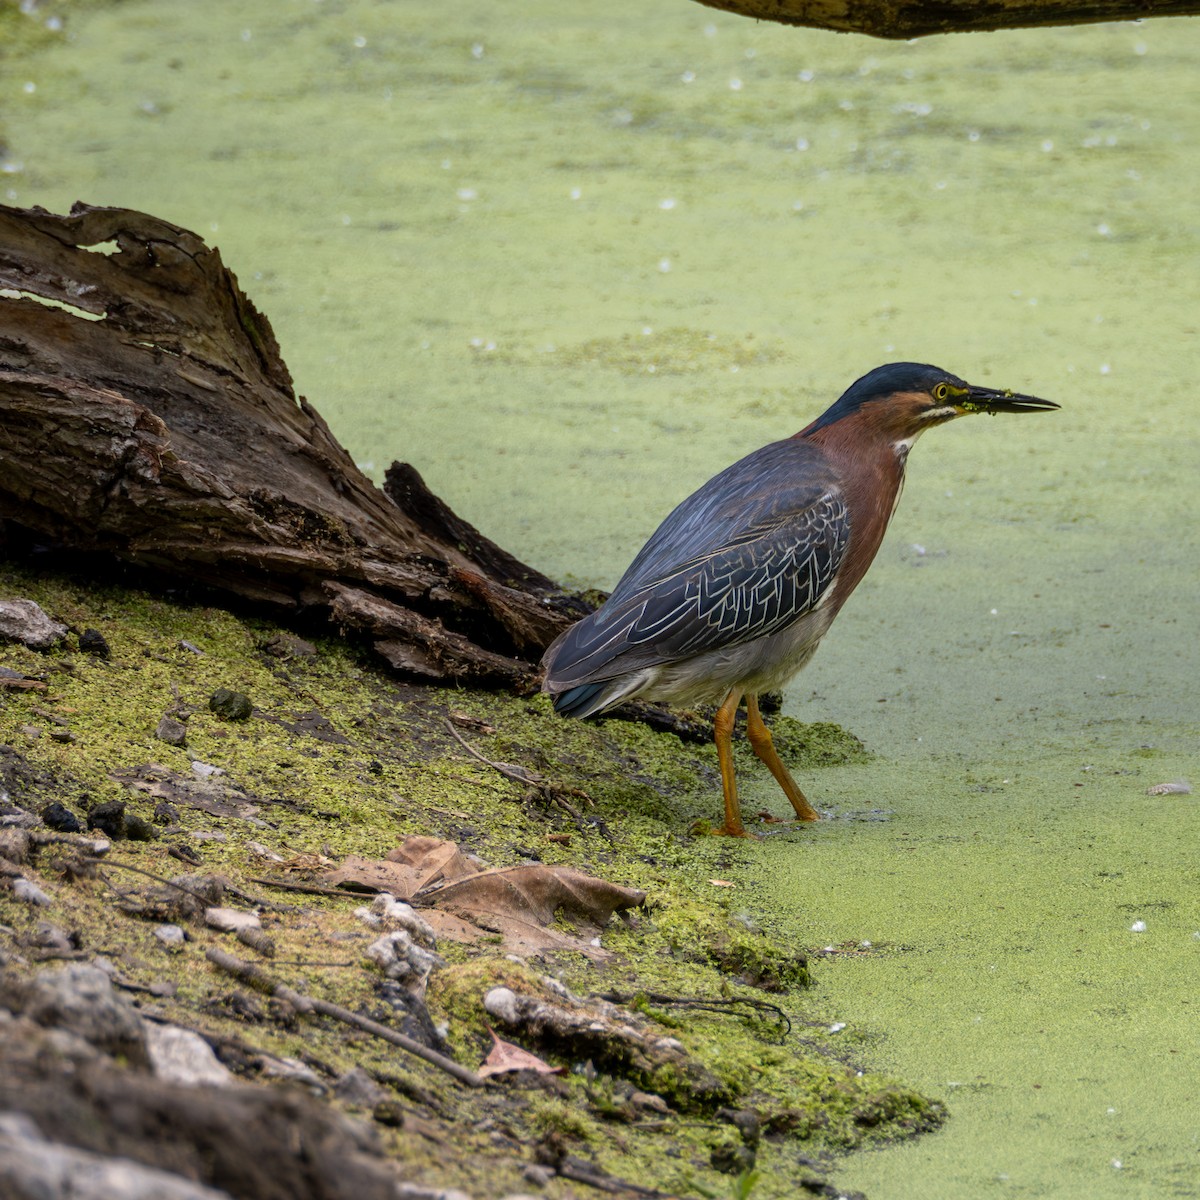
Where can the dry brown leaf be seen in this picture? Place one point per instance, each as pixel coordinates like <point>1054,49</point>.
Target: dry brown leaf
<point>520,903</point>
<point>416,863</point>
<point>536,892</point>
<point>357,874</point>
<point>504,1056</point>
<point>434,859</point>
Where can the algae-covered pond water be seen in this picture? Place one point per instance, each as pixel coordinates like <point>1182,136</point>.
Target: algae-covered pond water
<point>572,260</point>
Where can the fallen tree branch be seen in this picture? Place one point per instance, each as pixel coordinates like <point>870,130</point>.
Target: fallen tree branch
<point>254,975</point>
<point>918,18</point>
<point>146,414</point>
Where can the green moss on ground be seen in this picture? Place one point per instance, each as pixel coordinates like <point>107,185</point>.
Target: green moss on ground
<point>338,758</point>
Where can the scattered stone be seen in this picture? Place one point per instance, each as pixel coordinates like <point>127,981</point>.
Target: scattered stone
<point>61,735</point>
<point>189,647</point>
<point>172,731</point>
<point>230,920</point>
<point>109,819</point>
<point>80,998</point>
<point>356,1087</point>
<point>29,893</point>
<point>24,621</point>
<point>92,641</point>
<point>650,1101</point>
<point>32,1168</point>
<point>209,835</point>
<point>538,1173</point>
<point>181,1056</point>
<point>286,645</point>
<point>32,732</point>
<point>203,770</point>
<point>501,1003</point>
<point>15,845</point>
<point>51,937</point>
<point>138,829</point>
<point>229,705</point>
<point>13,816</point>
<point>165,813</point>
<point>401,958</point>
<point>61,819</point>
<point>385,910</point>
<point>171,936</point>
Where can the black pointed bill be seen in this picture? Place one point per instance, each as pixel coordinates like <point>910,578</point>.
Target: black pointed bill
<point>989,400</point>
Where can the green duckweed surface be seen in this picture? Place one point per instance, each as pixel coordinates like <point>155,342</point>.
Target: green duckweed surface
<point>570,261</point>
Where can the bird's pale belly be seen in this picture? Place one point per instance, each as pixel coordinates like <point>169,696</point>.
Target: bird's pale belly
<point>763,665</point>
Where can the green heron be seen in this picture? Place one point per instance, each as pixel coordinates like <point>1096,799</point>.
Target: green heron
<point>735,589</point>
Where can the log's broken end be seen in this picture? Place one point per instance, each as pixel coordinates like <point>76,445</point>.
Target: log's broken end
<point>146,414</point>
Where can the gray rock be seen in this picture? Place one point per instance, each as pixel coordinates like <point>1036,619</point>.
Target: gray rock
<point>32,1168</point>
<point>24,621</point>
<point>29,893</point>
<point>230,920</point>
<point>80,998</point>
<point>181,1056</point>
<point>229,705</point>
<point>358,1088</point>
<point>172,731</point>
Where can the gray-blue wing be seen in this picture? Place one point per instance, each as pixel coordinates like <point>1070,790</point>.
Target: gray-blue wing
<point>745,556</point>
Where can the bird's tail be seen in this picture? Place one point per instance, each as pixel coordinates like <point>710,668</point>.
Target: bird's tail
<point>581,700</point>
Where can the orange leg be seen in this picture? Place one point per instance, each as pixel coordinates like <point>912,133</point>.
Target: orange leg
<point>722,733</point>
<point>761,744</point>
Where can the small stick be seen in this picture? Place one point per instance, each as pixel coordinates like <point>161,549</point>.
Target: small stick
<point>254,975</point>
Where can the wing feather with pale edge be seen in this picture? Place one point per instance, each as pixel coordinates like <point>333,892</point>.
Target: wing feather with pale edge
<point>749,553</point>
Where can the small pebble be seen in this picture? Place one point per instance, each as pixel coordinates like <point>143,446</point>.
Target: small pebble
<point>138,829</point>
<point>61,819</point>
<point>230,920</point>
<point>92,641</point>
<point>171,731</point>
<point>24,621</point>
<point>109,819</point>
<point>171,936</point>
<point>229,705</point>
<point>30,893</point>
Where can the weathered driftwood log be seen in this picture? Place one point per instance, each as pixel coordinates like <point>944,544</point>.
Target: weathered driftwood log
<point>918,18</point>
<point>146,413</point>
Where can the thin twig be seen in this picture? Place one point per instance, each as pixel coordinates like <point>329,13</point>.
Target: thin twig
<point>254,975</point>
<point>516,774</point>
<point>551,791</point>
<point>715,1005</point>
<point>310,889</point>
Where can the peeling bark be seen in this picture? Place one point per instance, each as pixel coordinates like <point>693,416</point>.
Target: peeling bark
<point>146,413</point>
<point>902,19</point>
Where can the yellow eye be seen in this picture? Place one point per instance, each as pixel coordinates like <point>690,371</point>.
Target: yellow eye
<point>941,393</point>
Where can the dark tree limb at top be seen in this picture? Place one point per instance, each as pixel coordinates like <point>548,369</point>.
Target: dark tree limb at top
<point>146,414</point>
<point>902,19</point>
